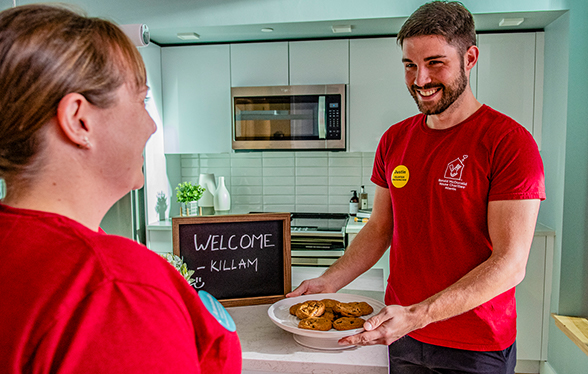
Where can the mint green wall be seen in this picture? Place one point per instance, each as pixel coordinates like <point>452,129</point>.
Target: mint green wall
<point>574,295</point>
<point>565,154</point>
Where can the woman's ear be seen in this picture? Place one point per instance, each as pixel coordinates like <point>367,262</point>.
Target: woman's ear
<point>72,113</point>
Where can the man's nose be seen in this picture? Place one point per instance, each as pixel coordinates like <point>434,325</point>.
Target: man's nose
<point>422,77</point>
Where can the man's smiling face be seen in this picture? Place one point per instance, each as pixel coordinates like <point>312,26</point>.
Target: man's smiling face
<point>434,72</point>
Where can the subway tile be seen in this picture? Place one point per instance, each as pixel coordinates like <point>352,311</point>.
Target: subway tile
<point>279,208</point>
<point>278,181</point>
<point>344,171</point>
<point>345,161</point>
<point>214,156</point>
<point>246,162</point>
<point>341,190</point>
<point>311,171</point>
<point>310,199</point>
<point>354,181</point>
<point>279,199</point>
<point>189,162</point>
<point>247,199</point>
<point>312,181</point>
<point>246,172</point>
<point>312,190</point>
<point>247,181</point>
<point>215,163</point>
<point>278,190</point>
<point>278,172</point>
<point>312,162</point>
<point>246,208</point>
<point>314,155</point>
<point>278,161</point>
<point>312,208</point>
<point>276,154</point>
<point>247,190</point>
<point>340,200</point>
<point>191,172</point>
<point>338,208</point>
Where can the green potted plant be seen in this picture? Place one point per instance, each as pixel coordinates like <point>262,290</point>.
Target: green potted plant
<point>161,206</point>
<point>189,194</point>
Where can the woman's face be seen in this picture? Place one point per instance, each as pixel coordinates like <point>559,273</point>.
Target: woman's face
<point>121,134</point>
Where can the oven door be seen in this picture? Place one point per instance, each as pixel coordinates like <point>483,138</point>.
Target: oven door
<point>316,249</point>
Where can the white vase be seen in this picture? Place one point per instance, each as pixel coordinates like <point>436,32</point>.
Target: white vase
<point>222,199</point>
<point>206,180</point>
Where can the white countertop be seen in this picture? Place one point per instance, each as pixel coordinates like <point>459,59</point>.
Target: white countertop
<point>268,348</point>
<point>354,227</point>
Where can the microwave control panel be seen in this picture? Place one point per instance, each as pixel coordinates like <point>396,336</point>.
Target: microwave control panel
<point>333,103</point>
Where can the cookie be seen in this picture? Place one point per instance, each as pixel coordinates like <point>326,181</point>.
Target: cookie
<point>294,308</point>
<point>348,309</point>
<point>315,323</point>
<point>329,314</point>
<point>364,307</point>
<point>310,308</point>
<point>348,323</point>
<point>329,303</point>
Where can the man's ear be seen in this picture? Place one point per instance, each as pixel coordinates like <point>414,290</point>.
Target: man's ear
<point>471,57</point>
<point>72,119</point>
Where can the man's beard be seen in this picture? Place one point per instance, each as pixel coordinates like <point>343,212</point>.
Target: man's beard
<point>449,95</point>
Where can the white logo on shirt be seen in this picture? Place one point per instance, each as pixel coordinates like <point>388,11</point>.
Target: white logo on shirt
<point>453,174</point>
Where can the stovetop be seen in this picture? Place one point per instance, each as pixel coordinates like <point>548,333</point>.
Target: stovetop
<point>318,222</point>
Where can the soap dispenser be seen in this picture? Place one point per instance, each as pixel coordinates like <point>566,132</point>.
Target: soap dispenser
<point>363,198</point>
<point>353,204</point>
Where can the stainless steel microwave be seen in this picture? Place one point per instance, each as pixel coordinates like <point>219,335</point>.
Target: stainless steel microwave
<point>289,117</point>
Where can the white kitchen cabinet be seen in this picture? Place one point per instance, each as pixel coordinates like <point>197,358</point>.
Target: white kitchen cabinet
<point>259,64</point>
<point>378,97</point>
<point>196,99</point>
<point>510,76</point>
<point>533,296</point>
<point>319,62</point>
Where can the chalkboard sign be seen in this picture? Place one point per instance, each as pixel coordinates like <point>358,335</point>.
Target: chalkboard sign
<point>239,259</point>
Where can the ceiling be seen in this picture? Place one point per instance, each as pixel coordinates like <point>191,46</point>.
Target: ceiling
<point>220,21</point>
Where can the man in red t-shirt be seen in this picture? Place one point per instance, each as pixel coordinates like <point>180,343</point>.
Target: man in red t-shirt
<point>458,190</point>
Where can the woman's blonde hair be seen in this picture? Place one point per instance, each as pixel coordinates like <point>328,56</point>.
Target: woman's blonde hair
<point>47,52</point>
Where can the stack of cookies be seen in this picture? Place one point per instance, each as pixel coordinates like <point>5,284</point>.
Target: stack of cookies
<point>325,314</point>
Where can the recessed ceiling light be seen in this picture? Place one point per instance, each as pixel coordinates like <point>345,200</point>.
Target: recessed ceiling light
<point>505,22</point>
<point>267,29</point>
<point>341,28</point>
<point>188,36</point>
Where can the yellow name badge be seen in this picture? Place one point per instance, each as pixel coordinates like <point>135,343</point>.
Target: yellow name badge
<point>400,176</point>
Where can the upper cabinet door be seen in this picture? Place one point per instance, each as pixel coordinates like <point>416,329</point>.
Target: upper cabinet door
<point>259,64</point>
<point>378,97</point>
<point>319,62</point>
<point>196,99</point>
<point>510,77</point>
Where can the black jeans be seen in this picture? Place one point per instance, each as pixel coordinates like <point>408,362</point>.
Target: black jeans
<point>409,356</point>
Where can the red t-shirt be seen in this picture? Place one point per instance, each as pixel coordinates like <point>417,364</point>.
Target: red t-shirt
<point>440,183</point>
<point>79,301</point>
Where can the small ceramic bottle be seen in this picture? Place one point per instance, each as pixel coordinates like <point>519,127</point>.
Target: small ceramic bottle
<point>222,199</point>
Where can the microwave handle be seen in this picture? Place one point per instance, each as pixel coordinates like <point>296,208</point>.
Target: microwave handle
<point>322,126</point>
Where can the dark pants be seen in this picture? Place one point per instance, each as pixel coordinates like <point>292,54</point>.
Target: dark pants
<point>409,356</point>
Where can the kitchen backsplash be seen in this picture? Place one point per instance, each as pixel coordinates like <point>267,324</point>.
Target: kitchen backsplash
<point>282,181</point>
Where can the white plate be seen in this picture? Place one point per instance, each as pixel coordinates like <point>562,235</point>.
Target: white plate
<point>279,313</point>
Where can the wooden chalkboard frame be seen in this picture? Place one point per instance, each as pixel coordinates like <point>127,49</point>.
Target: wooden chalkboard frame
<point>239,218</point>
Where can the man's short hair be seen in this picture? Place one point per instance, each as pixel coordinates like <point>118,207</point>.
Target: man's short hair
<point>449,19</point>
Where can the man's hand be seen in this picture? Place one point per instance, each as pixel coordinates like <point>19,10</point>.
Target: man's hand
<point>312,286</point>
<point>392,323</point>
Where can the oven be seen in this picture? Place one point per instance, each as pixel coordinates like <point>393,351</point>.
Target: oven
<point>317,239</point>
